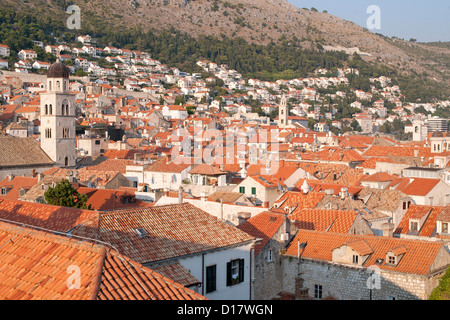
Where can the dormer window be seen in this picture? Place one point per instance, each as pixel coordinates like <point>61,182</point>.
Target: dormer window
<point>414,225</point>
<point>3,191</point>
<point>444,227</point>
<point>394,255</point>
<point>354,252</point>
<point>392,260</point>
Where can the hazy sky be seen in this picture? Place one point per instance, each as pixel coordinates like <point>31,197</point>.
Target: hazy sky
<point>419,19</point>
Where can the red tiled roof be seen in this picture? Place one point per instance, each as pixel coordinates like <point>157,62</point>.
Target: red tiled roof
<point>264,226</point>
<point>299,200</point>
<point>178,273</point>
<point>173,230</point>
<point>418,212</point>
<point>36,265</point>
<point>371,163</point>
<point>420,186</point>
<point>173,166</point>
<point>333,154</point>
<point>113,165</point>
<point>206,169</point>
<point>17,183</point>
<point>333,173</point>
<point>361,246</point>
<point>111,199</point>
<point>267,181</point>
<point>324,220</point>
<point>378,177</point>
<point>120,154</point>
<point>418,258</point>
<point>45,216</point>
<point>396,151</point>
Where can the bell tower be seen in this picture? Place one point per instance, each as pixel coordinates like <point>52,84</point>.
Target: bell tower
<point>58,117</point>
<point>283,113</point>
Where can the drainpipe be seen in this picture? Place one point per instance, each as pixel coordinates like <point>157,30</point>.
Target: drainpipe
<point>251,266</point>
<point>203,274</point>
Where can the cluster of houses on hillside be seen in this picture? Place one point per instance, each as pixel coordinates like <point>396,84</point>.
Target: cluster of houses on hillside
<point>204,201</point>
<point>137,73</point>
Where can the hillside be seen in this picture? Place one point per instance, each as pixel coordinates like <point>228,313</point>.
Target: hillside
<point>256,21</point>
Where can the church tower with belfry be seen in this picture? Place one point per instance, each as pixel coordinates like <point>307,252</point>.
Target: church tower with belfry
<point>283,112</point>
<point>58,117</point>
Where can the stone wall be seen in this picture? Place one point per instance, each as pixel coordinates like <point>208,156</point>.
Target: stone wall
<point>352,283</point>
<point>269,274</point>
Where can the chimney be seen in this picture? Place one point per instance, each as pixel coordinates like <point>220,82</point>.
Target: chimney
<point>416,153</point>
<point>300,292</point>
<point>266,204</point>
<point>344,193</point>
<point>40,176</point>
<point>180,195</point>
<point>388,229</point>
<point>10,177</point>
<point>305,187</point>
<point>168,158</point>
<point>33,172</point>
<point>203,196</point>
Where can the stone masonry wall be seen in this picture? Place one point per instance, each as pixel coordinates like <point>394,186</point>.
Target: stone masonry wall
<point>351,283</point>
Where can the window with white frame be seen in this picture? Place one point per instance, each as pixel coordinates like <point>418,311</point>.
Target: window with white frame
<point>318,291</point>
<point>235,272</point>
<point>269,255</point>
<point>391,260</point>
<point>413,225</point>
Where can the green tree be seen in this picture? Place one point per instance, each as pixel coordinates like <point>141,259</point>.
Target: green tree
<point>180,100</point>
<point>65,195</point>
<point>80,73</point>
<point>442,291</point>
<point>355,126</point>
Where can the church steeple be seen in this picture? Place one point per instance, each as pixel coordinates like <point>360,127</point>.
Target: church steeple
<point>58,117</point>
<point>283,112</point>
<point>58,77</point>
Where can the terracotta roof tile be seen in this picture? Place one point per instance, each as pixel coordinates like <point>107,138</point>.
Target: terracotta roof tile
<point>324,220</point>
<point>46,216</point>
<point>298,200</point>
<point>35,265</point>
<point>418,258</point>
<point>418,212</point>
<point>173,230</point>
<point>21,151</point>
<point>420,186</point>
<point>17,184</point>
<point>263,226</point>
<point>361,246</point>
<point>177,273</point>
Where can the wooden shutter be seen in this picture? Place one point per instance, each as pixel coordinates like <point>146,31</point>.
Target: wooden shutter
<point>241,270</point>
<point>211,279</point>
<point>228,273</point>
